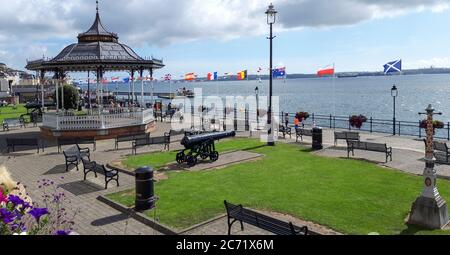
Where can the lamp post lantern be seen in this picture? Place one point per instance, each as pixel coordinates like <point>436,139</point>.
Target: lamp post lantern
<point>271,19</point>
<point>394,94</point>
<point>430,209</point>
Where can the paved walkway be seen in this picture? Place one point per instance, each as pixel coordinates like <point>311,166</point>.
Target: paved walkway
<point>96,218</point>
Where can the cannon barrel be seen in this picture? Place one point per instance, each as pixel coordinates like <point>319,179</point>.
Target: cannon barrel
<point>190,141</point>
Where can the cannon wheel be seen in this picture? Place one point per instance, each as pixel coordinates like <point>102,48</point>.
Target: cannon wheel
<point>180,157</point>
<point>191,161</point>
<point>204,156</point>
<point>214,156</point>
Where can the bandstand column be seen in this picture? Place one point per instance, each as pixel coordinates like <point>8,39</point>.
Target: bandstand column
<point>96,89</point>
<point>101,89</point>
<point>89,90</point>
<point>153,86</point>
<point>41,80</point>
<point>132,87</point>
<point>141,73</point>
<point>57,90</point>
<point>62,90</point>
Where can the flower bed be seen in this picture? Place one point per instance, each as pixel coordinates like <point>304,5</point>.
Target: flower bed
<point>20,216</point>
<point>357,121</point>
<point>436,124</point>
<point>302,116</point>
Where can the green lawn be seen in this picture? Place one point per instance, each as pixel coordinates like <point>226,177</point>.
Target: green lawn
<point>160,159</point>
<point>349,196</point>
<point>9,112</point>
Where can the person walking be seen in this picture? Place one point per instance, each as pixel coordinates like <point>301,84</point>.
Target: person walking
<point>296,123</point>
<point>286,120</point>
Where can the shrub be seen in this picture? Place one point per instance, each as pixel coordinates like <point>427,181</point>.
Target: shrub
<point>302,115</point>
<point>436,124</point>
<point>71,97</point>
<point>357,121</point>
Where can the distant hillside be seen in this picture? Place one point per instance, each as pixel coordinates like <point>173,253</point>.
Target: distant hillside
<point>345,74</point>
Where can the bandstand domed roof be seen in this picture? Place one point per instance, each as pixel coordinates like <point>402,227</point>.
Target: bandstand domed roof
<point>96,48</point>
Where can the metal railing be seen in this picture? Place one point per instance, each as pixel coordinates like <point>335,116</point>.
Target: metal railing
<point>245,119</point>
<point>373,125</point>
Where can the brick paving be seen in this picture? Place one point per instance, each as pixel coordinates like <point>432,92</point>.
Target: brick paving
<point>97,218</point>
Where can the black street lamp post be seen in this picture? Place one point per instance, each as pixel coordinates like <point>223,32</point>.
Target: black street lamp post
<point>271,18</point>
<point>394,94</point>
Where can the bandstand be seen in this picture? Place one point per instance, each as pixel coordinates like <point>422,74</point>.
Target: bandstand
<point>97,51</point>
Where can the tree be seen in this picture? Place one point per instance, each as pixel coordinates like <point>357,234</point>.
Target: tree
<point>71,97</point>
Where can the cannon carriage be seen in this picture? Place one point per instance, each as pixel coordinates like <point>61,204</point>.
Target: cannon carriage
<point>202,146</point>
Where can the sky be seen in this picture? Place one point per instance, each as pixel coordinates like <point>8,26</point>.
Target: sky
<point>228,36</point>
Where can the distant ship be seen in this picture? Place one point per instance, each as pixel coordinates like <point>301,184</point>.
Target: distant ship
<point>347,75</point>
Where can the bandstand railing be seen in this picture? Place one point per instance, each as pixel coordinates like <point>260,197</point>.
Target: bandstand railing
<point>100,120</point>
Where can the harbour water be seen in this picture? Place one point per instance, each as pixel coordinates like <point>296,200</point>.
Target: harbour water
<point>370,96</point>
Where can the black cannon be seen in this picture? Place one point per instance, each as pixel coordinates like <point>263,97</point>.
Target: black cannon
<point>201,146</point>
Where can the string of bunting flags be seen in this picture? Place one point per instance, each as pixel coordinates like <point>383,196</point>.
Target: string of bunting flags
<point>329,70</point>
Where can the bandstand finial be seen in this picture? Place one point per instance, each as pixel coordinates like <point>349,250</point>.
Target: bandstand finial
<point>96,5</point>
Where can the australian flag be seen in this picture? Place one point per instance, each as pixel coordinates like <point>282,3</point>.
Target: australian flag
<point>279,72</point>
<point>393,67</point>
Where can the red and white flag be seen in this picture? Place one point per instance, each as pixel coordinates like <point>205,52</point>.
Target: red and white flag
<point>326,71</point>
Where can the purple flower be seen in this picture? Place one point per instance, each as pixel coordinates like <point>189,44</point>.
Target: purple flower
<point>16,200</point>
<point>62,233</point>
<point>37,213</point>
<point>7,216</point>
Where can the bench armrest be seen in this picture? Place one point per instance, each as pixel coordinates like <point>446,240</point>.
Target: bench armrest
<point>71,157</point>
<point>86,150</point>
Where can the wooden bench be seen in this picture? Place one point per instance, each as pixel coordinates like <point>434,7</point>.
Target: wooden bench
<point>173,133</point>
<point>376,147</point>
<point>285,131</point>
<point>151,141</point>
<point>352,136</point>
<point>300,132</point>
<point>92,166</point>
<point>76,141</point>
<point>74,156</point>
<point>11,123</point>
<point>129,138</point>
<point>239,213</point>
<point>441,150</point>
<point>12,143</point>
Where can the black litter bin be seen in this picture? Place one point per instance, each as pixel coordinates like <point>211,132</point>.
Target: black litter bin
<point>317,138</point>
<point>145,195</point>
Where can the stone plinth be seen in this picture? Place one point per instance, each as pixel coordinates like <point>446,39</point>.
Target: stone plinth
<point>429,213</point>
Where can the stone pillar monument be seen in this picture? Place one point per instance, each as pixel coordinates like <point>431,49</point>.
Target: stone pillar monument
<point>429,210</point>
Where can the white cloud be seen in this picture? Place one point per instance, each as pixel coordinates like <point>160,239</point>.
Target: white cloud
<point>158,22</point>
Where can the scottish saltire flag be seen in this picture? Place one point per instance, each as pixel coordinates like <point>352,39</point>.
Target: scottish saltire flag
<point>393,67</point>
<point>279,72</point>
<point>216,76</point>
<point>126,80</point>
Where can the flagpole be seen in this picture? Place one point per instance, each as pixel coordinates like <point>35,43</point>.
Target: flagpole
<point>334,89</point>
